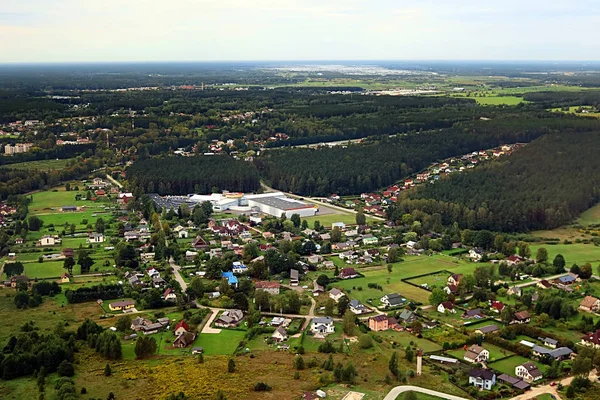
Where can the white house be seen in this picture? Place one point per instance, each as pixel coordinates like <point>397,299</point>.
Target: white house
<point>476,354</point>
<point>280,335</point>
<point>48,240</point>
<point>322,325</point>
<point>183,234</point>
<point>96,238</point>
<point>529,372</point>
<point>170,295</point>
<point>446,306</point>
<point>482,378</point>
<point>336,294</point>
<point>239,268</point>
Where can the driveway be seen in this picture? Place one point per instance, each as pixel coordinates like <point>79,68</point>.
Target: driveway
<point>395,392</point>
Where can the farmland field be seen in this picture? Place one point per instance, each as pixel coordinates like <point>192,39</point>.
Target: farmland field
<point>508,365</point>
<point>576,253</point>
<point>590,216</point>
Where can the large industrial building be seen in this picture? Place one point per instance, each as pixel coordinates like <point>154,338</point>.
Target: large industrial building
<point>274,203</point>
<point>278,204</point>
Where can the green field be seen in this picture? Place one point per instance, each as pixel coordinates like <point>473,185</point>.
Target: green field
<point>508,365</point>
<point>589,217</point>
<point>576,253</point>
<point>416,265</point>
<point>405,338</point>
<point>223,343</point>
<point>45,165</point>
<point>328,219</point>
<point>495,352</point>
<point>499,100</point>
<point>47,269</point>
<point>437,280</point>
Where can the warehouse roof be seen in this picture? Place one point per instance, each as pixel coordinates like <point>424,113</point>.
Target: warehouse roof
<point>282,203</point>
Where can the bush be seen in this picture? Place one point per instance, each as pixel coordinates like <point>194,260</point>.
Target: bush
<point>66,369</point>
<point>365,342</point>
<point>262,387</point>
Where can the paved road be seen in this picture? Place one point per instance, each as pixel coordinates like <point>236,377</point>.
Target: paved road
<point>547,389</point>
<point>395,392</point>
<point>113,180</point>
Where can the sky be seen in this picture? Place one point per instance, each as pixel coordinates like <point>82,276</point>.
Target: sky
<point>264,30</point>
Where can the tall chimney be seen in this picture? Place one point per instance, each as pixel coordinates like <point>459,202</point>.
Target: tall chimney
<point>419,362</point>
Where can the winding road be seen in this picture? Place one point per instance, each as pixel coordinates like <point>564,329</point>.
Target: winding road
<point>398,390</point>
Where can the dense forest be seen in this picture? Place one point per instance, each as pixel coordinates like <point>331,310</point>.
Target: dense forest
<point>360,168</point>
<point>200,174</point>
<point>564,98</point>
<point>542,186</point>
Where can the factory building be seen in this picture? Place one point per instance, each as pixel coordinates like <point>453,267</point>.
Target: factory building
<point>277,204</point>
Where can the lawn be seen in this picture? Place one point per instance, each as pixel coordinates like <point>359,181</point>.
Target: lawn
<point>576,253</point>
<point>49,199</point>
<point>412,266</point>
<point>508,365</point>
<point>327,219</point>
<point>499,100</point>
<point>223,343</point>
<point>495,352</point>
<point>436,280</point>
<point>591,216</point>
<point>419,396</point>
<point>47,269</point>
<point>405,338</point>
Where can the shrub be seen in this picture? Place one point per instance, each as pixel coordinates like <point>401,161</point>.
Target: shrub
<point>262,387</point>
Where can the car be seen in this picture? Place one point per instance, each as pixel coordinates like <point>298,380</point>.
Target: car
<point>552,383</point>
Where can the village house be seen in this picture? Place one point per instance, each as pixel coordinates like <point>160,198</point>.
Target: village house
<point>322,326</point>
<point>65,278</point>
<point>529,372</point>
<point>170,295</point>
<point>348,273</point>
<point>357,307</point>
<point>589,304</point>
<point>482,378</point>
<point>514,291</point>
<point>229,319</point>
<point>378,323</point>
<point>475,313</point>
<point>484,330</point>
<point>96,238</point>
<point>446,306</point>
<point>121,305</point>
<point>280,335</point>
<point>407,317</point>
<point>521,317</point>
<point>497,306</point>
<point>49,240</point>
<point>336,294</point>
<point>15,280</point>
<point>67,252</point>
<point>544,284</point>
<point>591,339</point>
<point>454,279</point>
<point>294,277</point>
<point>549,342</point>
<point>392,300</point>
<point>181,327</point>
<point>476,354</point>
<point>184,340</point>
<point>269,287</point>
<point>560,353</point>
